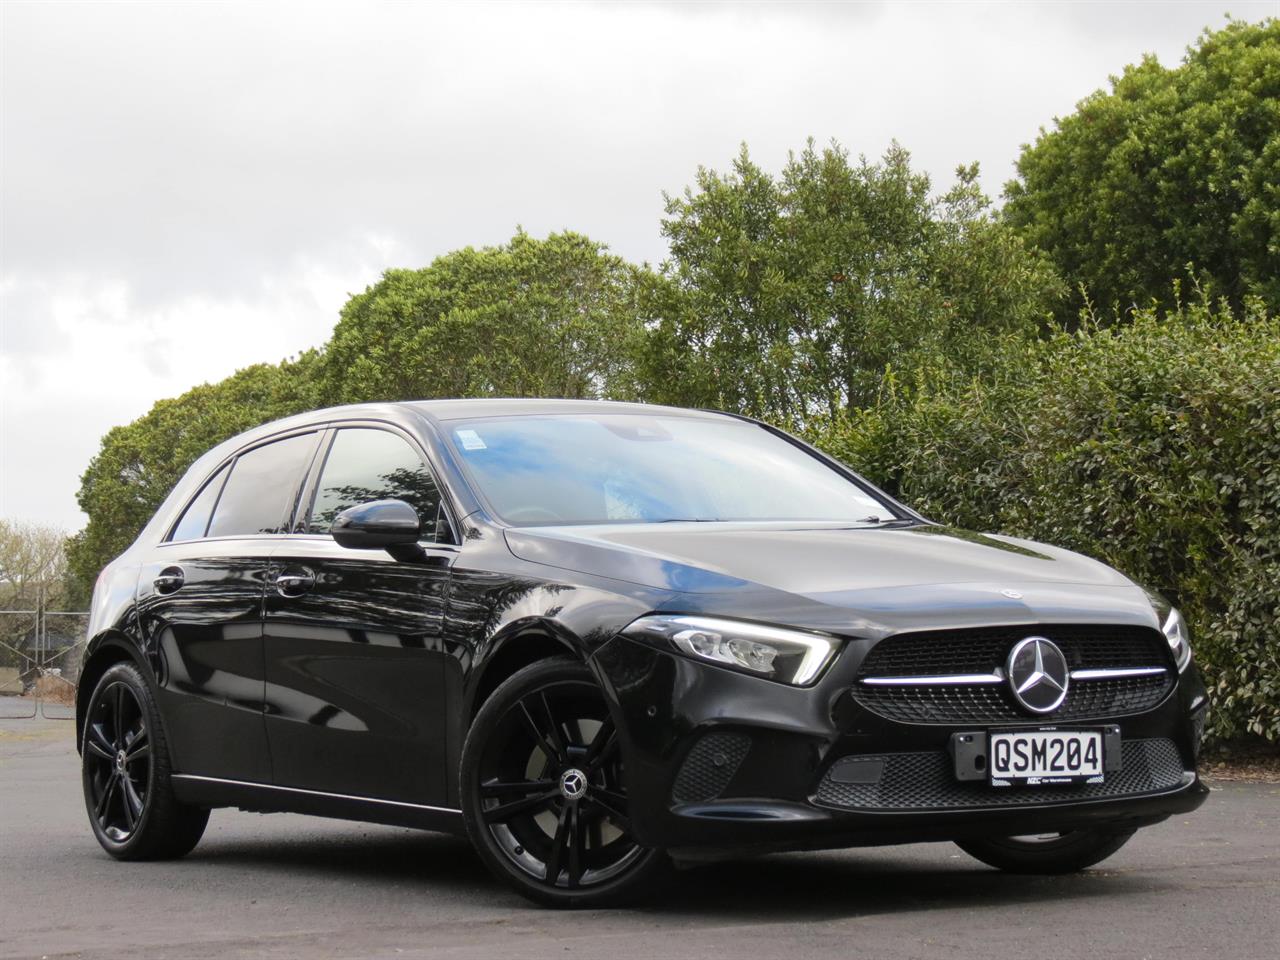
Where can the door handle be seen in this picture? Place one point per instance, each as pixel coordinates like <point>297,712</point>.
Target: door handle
<point>169,580</point>
<point>294,581</point>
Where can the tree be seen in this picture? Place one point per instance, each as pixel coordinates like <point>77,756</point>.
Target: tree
<point>542,318</point>
<point>33,565</point>
<point>1172,167</point>
<point>138,464</point>
<point>790,296</point>
<point>33,579</point>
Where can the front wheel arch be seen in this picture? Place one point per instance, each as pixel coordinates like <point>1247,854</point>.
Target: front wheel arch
<point>108,650</point>
<point>509,655</point>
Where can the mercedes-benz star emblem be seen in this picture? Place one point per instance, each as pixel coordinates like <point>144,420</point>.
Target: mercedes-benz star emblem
<point>1038,674</point>
<point>573,784</point>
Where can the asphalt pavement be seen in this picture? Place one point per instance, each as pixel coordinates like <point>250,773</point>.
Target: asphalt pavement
<point>1203,885</point>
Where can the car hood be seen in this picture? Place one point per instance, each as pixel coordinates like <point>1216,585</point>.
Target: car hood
<point>837,576</point>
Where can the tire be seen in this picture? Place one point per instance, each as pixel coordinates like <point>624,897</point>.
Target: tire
<point>1058,853</point>
<point>125,773</point>
<point>543,792</point>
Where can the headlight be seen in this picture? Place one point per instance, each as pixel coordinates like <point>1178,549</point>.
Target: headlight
<point>789,656</point>
<point>1174,629</point>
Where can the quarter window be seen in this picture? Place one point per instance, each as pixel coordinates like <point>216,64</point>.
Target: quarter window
<point>259,493</point>
<point>195,519</point>
<point>366,464</point>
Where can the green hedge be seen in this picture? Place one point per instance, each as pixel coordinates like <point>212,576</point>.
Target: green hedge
<point>1154,447</point>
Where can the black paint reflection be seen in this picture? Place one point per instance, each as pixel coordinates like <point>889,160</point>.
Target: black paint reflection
<point>208,635</point>
<point>354,700</point>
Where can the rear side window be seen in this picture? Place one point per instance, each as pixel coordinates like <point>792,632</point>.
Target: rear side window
<point>365,464</point>
<point>258,495</point>
<point>195,519</point>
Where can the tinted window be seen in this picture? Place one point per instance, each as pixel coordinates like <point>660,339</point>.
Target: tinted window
<point>195,519</point>
<point>366,465</point>
<point>641,469</point>
<point>259,493</point>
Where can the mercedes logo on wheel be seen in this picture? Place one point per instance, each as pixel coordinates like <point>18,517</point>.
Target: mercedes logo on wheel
<point>573,784</point>
<point>1038,674</point>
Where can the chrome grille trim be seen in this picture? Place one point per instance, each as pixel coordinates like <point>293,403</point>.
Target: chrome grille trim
<point>1117,672</point>
<point>949,680</point>
<point>997,676</point>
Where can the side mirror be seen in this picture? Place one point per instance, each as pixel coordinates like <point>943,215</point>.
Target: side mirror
<point>390,525</point>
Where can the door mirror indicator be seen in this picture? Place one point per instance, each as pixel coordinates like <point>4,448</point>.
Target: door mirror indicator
<point>390,525</point>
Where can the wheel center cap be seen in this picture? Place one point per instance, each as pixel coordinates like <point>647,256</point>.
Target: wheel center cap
<point>573,784</point>
<point>120,761</point>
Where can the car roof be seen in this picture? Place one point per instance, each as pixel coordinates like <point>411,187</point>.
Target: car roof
<point>517,406</point>
<point>439,410</point>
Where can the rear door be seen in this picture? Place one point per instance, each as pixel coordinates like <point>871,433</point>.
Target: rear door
<point>354,662</point>
<point>200,607</point>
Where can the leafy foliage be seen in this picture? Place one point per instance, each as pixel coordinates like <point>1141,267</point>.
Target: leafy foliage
<point>1172,167</point>
<point>139,463</point>
<point>33,565</point>
<point>791,296</point>
<point>1155,448</point>
<point>549,318</point>
<point>33,577</point>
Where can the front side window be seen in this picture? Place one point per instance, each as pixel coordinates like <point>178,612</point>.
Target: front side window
<point>258,495</point>
<point>366,464</point>
<point>579,469</point>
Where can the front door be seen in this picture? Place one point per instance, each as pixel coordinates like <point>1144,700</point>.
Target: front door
<point>354,662</point>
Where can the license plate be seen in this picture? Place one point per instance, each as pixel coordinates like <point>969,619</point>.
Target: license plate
<point>1041,757</point>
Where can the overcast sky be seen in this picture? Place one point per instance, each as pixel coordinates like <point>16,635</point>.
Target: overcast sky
<point>186,189</point>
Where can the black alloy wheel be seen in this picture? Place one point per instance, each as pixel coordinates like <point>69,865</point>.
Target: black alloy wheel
<point>125,773</point>
<point>117,757</point>
<point>544,795</point>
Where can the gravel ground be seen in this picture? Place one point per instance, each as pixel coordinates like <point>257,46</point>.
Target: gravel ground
<point>1204,885</point>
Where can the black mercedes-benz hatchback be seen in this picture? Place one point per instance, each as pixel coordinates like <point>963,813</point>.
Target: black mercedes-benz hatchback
<point>599,638</point>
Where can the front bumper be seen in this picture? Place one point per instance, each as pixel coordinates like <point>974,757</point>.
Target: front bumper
<point>720,763</point>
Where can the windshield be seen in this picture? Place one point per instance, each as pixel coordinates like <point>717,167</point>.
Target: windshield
<point>629,468</point>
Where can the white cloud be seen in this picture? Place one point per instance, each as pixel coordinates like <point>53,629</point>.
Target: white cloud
<point>102,359</point>
<point>191,188</point>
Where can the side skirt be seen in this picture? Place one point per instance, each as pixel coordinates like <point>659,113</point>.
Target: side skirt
<point>265,798</point>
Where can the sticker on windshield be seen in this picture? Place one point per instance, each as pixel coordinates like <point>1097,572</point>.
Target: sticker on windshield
<point>470,439</point>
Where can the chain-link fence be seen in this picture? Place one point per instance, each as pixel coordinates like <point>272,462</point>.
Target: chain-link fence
<point>41,652</point>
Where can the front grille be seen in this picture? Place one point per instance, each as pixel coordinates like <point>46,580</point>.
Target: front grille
<point>710,766</point>
<point>926,781</point>
<point>983,651</point>
<point>993,703</point>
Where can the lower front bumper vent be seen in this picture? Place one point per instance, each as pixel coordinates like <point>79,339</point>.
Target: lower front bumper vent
<point>926,781</point>
<point>710,766</point>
